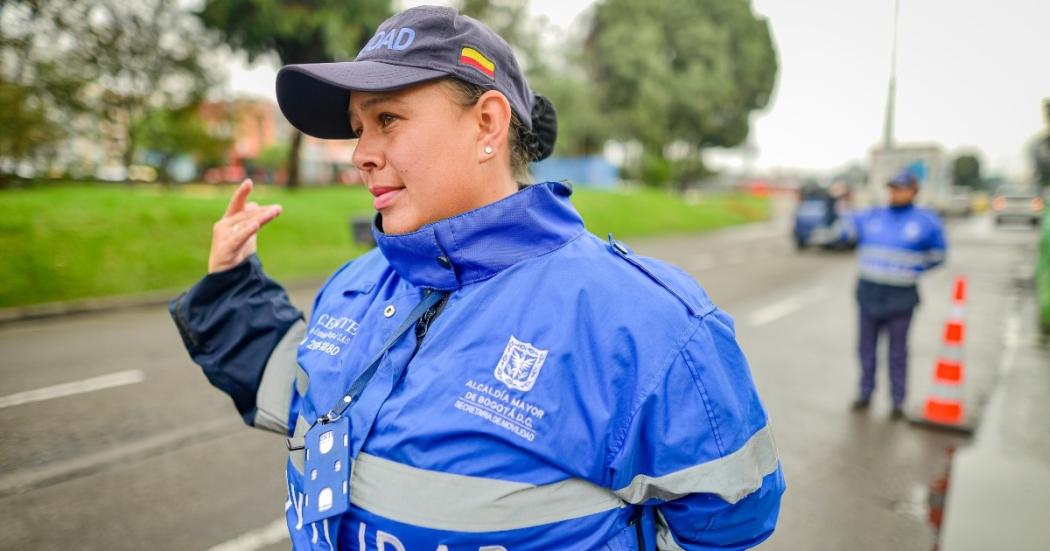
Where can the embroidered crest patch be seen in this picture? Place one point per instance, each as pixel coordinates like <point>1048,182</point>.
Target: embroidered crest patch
<point>912,231</point>
<point>520,365</point>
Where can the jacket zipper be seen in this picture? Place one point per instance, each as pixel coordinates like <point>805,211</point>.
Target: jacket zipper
<point>423,325</point>
<point>639,533</point>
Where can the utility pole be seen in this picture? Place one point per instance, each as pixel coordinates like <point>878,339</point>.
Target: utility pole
<point>887,127</point>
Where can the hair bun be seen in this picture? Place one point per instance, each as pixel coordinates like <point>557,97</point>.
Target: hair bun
<point>540,141</point>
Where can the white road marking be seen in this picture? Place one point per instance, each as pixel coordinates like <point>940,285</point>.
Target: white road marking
<point>786,307</point>
<point>271,534</point>
<point>119,378</point>
<point>1011,340</point>
<point>83,464</point>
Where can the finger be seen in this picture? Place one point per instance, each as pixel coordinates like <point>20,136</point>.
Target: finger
<point>269,213</point>
<point>244,225</point>
<point>251,214</point>
<point>239,196</point>
<point>252,206</point>
<point>240,233</point>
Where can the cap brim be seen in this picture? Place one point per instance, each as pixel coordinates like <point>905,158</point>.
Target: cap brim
<point>314,97</point>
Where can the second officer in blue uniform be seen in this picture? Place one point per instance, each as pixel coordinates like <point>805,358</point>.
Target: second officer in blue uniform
<point>896,245</point>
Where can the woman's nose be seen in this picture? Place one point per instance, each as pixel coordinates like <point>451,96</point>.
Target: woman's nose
<point>367,156</point>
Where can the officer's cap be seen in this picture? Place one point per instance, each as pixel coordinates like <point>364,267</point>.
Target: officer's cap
<point>417,45</point>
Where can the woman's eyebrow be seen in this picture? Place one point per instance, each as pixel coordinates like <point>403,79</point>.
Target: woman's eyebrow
<point>369,104</point>
<point>375,100</point>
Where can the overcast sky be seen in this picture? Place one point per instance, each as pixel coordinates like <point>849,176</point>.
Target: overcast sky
<point>970,74</point>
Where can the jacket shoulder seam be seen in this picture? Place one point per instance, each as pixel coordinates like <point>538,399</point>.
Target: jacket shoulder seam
<point>649,388</point>
<point>706,399</point>
<point>698,311</point>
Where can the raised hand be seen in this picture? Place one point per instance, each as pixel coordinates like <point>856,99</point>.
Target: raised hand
<point>233,236</point>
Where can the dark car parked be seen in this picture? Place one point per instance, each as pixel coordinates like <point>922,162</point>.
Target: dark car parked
<point>819,220</point>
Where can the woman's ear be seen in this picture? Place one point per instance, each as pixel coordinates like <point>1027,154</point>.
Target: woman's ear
<point>493,116</point>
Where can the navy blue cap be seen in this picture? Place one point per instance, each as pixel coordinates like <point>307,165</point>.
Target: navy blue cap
<point>903,178</point>
<point>417,45</point>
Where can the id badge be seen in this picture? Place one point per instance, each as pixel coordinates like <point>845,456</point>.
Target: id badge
<point>326,478</point>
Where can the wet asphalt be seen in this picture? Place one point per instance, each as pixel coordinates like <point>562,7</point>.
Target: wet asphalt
<point>159,458</point>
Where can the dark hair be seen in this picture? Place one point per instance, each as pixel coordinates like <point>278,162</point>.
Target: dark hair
<point>526,145</point>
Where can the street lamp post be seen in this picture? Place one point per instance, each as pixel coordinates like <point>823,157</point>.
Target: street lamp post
<point>887,128</point>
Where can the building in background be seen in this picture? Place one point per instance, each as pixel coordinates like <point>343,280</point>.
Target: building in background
<point>261,137</point>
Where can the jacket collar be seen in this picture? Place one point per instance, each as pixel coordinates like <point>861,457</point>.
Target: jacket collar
<point>480,243</point>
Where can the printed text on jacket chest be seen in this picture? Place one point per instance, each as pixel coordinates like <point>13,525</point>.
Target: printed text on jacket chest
<point>516,371</point>
<point>329,334</point>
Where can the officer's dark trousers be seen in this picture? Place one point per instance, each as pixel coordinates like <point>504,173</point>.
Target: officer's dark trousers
<point>870,328</point>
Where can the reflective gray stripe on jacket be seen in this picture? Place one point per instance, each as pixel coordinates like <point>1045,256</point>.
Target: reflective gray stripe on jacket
<point>732,477</point>
<point>274,399</point>
<point>445,501</point>
<point>892,266</point>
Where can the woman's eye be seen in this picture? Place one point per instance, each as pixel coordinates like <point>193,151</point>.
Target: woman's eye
<point>386,119</point>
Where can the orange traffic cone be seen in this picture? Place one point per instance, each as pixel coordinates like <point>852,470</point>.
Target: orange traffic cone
<point>944,402</point>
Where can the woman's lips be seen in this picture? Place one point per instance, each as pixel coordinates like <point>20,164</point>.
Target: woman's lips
<point>385,196</point>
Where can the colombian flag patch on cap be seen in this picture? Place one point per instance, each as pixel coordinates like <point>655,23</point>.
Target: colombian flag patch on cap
<point>473,58</point>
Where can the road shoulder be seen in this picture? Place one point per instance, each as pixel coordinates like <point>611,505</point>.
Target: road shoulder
<point>999,490</point>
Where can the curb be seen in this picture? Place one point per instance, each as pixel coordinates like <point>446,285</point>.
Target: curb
<point>48,310</point>
<point>85,306</point>
<point>968,429</point>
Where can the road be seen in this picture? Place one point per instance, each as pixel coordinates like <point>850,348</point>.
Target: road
<point>114,440</point>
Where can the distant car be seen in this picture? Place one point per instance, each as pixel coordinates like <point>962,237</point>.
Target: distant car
<point>1017,204</point>
<point>818,223</point>
<point>960,202</point>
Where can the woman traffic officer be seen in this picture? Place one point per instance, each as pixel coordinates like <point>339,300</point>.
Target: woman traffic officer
<point>491,376</point>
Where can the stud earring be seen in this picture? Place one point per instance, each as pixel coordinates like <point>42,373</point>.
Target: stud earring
<point>488,150</point>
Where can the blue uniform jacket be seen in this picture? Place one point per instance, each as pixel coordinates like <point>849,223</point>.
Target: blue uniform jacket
<point>569,394</point>
<point>895,246</point>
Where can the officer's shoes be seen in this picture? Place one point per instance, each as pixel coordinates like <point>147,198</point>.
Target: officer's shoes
<point>897,414</point>
<point>861,404</point>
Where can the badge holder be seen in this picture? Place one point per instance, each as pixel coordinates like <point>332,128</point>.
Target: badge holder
<point>327,470</point>
<point>326,477</point>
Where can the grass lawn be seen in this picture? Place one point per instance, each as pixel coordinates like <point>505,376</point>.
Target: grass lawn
<point>64,242</point>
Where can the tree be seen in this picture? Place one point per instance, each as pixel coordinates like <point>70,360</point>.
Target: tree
<point>170,133</point>
<point>1041,151</point>
<point>581,126</point>
<point>686,73</point>
<point>1041,159</point>
<point>100,65</point>
<point>511,20</point>
<point>966,171</point>
<point>306,31</point>
<point>148,56</point>
<point>24,126</point>
<point>39,87</point>
<point>273,159</point>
